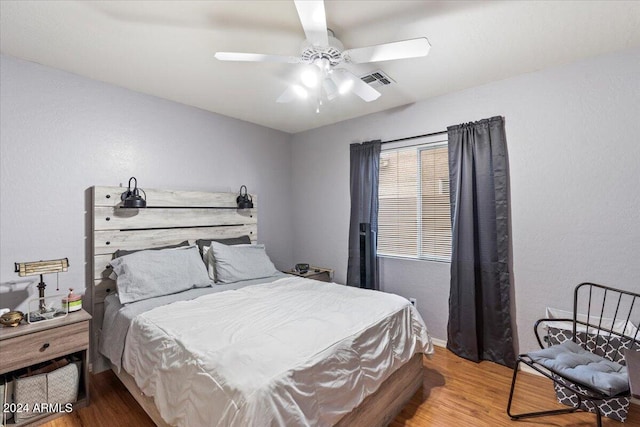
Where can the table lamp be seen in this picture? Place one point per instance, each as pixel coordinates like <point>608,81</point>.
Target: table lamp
<point>39,268</point>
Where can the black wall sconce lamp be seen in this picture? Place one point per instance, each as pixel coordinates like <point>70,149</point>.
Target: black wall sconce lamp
<point>244,200</point>
<point>132,198</point>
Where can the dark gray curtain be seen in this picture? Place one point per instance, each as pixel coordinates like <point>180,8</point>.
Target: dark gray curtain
<point>479,301</point>
<point>365,170</point>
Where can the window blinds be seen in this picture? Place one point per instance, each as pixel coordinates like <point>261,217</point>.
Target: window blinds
<point>414,211</point>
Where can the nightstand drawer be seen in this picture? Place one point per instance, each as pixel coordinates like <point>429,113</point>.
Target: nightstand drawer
<point>29,349</point>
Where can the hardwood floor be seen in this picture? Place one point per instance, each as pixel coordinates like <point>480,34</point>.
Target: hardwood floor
<point>455,392</point>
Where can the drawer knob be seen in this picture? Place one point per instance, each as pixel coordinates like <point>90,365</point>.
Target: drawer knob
<point>108,196</point>
<point>45,346</point>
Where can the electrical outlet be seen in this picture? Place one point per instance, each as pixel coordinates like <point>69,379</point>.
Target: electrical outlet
<point>413,302</point>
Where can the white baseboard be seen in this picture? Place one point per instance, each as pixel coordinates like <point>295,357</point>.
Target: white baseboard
<point>438,342</point>
<point>528,369</point>
<point>523,367</point>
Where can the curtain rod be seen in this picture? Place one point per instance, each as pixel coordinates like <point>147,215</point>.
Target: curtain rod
<point>414,137</point>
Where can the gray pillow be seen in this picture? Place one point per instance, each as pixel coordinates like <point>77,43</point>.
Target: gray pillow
<point>242,240</point>
<point>148,274</point>
<point>122,252</point>
<point>207,255</point>
<point>574,362</point>
<point>245,262</point>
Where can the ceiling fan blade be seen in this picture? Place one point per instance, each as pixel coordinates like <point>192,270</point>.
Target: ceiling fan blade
<point>255,57</point>
<point>385,52</point>
<point>313,20</point>
<point>348,82</point>
<point>362,89</point>
<point>287,96</point>
<point>293,92</point>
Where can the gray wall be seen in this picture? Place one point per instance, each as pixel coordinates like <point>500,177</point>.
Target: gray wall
<point>573,150</point>
<point>62,134</point>
<point>572,135</point>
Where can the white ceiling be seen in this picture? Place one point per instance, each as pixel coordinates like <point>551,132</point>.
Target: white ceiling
<point>166,48</point>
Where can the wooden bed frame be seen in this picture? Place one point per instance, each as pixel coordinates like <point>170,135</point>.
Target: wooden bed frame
<point>175,216</point>
<point>377,410</point>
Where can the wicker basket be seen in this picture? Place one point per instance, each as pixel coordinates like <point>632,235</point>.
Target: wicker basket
<point>56,387</point>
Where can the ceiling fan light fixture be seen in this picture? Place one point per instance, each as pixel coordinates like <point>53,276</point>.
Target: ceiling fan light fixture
<point>309,77</point>
<point>325,53</point>
<point>323,64</point>
<point>300,91</point>
<point>330,88</point>
<point>342,82</point>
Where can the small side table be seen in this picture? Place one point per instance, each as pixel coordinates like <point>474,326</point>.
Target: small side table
<point>633,368</point>
<point>31,344</point>
<point>315,273</point>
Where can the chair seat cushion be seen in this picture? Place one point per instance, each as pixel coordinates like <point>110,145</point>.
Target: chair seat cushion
<point>573,362</point>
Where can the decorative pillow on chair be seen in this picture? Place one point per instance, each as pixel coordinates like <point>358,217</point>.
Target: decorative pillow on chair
<point>240,262</point>
<point>577,364</point>
<point>153,273</point>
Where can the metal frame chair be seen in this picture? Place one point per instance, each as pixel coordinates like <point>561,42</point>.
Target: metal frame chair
<point>593,333</point>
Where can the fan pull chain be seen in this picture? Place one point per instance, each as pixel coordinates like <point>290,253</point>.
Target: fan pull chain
<point>319,98</point>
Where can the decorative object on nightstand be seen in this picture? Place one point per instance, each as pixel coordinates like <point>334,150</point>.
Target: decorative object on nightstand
<point>12,318</point>
<point>39,268</point>
<point>301,268</point>
<point>72,302</point>
<point>244,200</point>
<point>46,308</point>
<point>315,273</point>
<point>132,198</point>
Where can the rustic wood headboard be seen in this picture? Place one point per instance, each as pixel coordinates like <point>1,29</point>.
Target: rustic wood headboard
<point>170,217</point>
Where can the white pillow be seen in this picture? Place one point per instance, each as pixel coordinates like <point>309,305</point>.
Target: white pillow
<point>240,262</point>
<point>153,273</point>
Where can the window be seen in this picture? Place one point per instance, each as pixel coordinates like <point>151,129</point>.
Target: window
<point>414,217</point>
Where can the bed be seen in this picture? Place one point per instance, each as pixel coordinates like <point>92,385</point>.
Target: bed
<point>276,350</point>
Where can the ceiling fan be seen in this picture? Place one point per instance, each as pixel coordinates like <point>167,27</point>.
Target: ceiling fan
<point>325,52</point>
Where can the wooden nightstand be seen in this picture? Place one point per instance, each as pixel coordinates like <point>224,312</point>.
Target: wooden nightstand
<point>315,273</point>
<point>30,344</point>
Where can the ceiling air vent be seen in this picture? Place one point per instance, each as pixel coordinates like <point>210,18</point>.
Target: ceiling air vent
<point>377,78</point>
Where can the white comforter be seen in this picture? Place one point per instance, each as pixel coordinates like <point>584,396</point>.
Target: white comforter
<point>291,352</point>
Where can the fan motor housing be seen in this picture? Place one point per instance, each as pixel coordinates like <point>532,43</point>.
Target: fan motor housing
<point>332,52</point>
